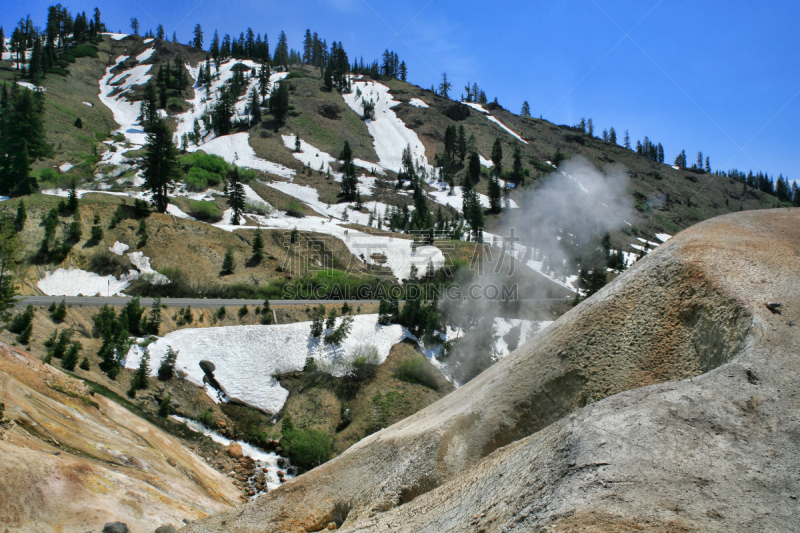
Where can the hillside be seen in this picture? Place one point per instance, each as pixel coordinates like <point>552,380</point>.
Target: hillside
<point>676,365</point>
<point>656,200</point>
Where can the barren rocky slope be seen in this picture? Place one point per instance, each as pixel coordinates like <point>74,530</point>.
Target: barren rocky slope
<point>665,402</point>
<point>72,461</point>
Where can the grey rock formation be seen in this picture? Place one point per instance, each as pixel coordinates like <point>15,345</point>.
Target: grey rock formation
<point>666,402</point>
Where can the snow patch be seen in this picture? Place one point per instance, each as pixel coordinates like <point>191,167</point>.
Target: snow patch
<point>31,86</point>
<point>119,248</point>
<point>144,56</point>
<point>236,149</point>
<point>247,357</point>
<point>509,130</point>
<point>65,167</point>
<point>416,102</point>
<point>88,103</point>
<point>76,282</point>
<point>663,237</point>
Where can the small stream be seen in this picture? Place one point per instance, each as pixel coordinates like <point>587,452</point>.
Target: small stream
<point>268,464</point>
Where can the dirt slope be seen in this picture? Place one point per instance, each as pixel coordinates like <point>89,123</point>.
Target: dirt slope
<point>675,452</point>
<point>72,461</point>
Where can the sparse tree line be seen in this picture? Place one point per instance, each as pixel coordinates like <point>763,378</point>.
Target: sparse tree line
<point>57,45</point>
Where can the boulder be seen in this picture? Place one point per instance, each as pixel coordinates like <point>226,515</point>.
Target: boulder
<point>115,527</point>
<point>168,528</point>
<point>208,367</point>
<point>234,449</point>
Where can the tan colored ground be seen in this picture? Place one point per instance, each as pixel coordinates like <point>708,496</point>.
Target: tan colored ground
<point>667,402</point>
<point>72,461</point>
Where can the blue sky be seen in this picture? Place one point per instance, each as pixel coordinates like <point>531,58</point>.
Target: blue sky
<point>717,77</point>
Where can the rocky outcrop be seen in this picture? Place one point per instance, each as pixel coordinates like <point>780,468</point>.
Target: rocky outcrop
<point>663,403</point>
<point>73,460</point>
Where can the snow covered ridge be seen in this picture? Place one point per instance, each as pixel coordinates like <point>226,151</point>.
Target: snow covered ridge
<point>480,109</point>
<point>390,135</point>
<point>247,357</point>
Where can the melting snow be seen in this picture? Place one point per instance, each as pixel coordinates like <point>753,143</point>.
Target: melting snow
<point>144,56</point>
<point>88,103</point>
<point>119,248</point>
<point>116,36</point>
<point>416,102</point>
<point>266,462</point>
<point>509,130</point>
<point>65,167</point>
<point>247,357</point>
<point>31,86</point>
<point>76,282</point>
<point>476,107</point>
<point>390,135</point>
<point>236,149</point>
<point>663,237</point>
<point>125,113</point>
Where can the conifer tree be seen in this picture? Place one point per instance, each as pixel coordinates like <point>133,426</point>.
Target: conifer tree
<point>461,144</point>
<point>349,186</point>
<point>258,247</point>
<point>160,164</point>
<point>160,32</point>
<point>517,172</point>
<point>154,320</point>
<point>627,141</point>
<point>9,256</point>
<point>135,25</point>
<point>279,103</point>
<point>474,171</point>
<point>167,367</point>
<point>526,109</point>
<point>197,41</point>
<point>236,196</point>
<point>497,157</point>
<point>612,136</point>
<point>139,379</point>
<point>228,262</point>
<point>445,86</point>
<point>22,216</point>
<point>255,107</point>
<point>494,195</point>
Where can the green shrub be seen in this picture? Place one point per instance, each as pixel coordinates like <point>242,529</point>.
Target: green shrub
<point>48,175</point>
<point>307,448</point>
<point>199,179</point>
<point>207,419</point>
<point>67,57</point>
<point>63,63</point>
<point>205,211</point>
<point>211,163</point>
<point>417,370</point>
<point>84,50</point>
<point>21,321</point>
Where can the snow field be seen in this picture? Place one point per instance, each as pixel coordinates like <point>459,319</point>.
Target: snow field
<point>663,237</point>
<point>144,56</point>
<point>416,102</point>
<point>236,149</point>
<point>390,135</point>
<point>76,282</point>
<point>125,113</point>
<point>504,325</point>
<point>247,357</point>
<point>119,248</point>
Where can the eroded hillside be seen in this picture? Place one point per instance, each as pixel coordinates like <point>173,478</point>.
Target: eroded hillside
<point>662,403</point>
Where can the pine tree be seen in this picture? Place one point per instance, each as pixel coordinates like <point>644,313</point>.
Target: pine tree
<point>139,380</point>
<point>9,256</point>
<point>258,247</point>
<point>236,196</point>
<point>135,25</point>
<point>160,164</point>
<point>197,41</point>
<point>517,172</point>
<point>349,185</point>
<point>160,32</point>
<point>148,115</point>
<point>22,216</point>
<point>255,107</point>
<point>526,109</point>
<point>497,157</point>
<point>279,103</point>
<point>167,367</point>
<point>494,195</point>
<point>228,262</point>
<point>627,141</point>
<point>71,357</point>
<point>473,171</point>
<point>708,165</point>
<point>154,320</point>
<point>444,87</point>
<point>612,136</point>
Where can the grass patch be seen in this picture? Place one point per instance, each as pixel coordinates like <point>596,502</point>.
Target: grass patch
<point>417,370</point>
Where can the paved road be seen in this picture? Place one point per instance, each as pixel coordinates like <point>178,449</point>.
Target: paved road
<point>194,302</point>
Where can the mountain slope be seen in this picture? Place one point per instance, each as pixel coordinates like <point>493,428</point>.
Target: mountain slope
<point>672,455</point>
